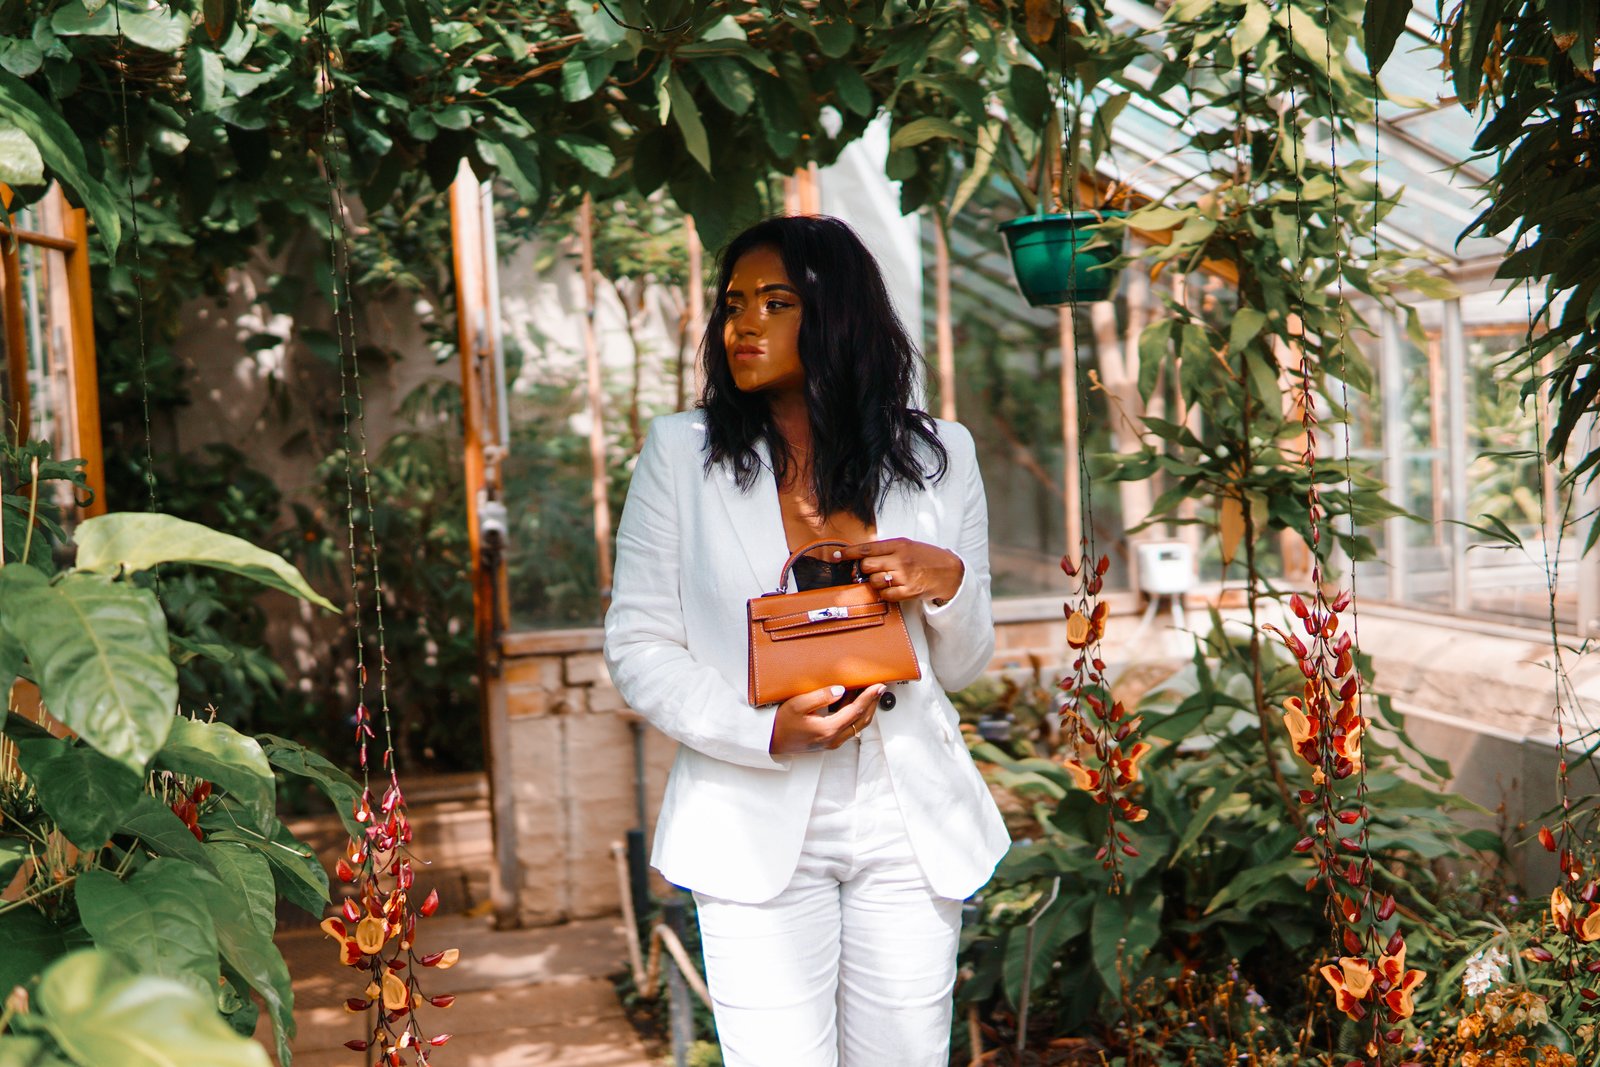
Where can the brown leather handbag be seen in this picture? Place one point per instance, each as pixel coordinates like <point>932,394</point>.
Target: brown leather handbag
<point>836,635</point>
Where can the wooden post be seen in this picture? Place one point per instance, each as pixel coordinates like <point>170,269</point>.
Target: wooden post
<point>695,297</point>
<point>597,428</point>
<point>471,244</point>
<point>85,377</point>
<point>1069,432</point>
<point>944,332</point>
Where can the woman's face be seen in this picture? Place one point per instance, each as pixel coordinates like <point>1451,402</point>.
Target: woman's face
<point>762,329</point>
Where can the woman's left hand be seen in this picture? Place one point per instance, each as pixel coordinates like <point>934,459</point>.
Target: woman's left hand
<point>902,569</point>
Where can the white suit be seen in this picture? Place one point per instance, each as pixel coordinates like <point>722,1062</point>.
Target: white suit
<point>691,550</point>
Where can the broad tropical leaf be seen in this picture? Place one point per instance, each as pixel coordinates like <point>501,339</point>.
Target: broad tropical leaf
<point>88,794</point>
<point>151,923</point>
<point>138,541</point>
<point>218,753</point>
<point>100,1015</point>
<point>99,655</point>
<point>31,942</point>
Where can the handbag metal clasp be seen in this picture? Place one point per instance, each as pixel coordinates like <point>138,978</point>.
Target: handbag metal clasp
<point>831,612</point>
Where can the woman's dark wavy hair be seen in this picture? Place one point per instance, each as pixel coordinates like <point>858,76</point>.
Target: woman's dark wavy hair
<point>859,364</point>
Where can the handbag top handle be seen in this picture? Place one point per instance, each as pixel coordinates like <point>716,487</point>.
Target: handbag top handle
<point>783,578</point>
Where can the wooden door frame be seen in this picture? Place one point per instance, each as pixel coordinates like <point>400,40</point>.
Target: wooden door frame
<point>73,242</point>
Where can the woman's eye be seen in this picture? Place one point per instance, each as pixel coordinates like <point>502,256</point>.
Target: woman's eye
<point>777,305</point>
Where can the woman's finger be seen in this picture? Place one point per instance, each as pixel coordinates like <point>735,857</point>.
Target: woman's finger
<point>851,719</point>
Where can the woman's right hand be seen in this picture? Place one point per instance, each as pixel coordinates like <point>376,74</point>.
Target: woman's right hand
<point>801,725</point>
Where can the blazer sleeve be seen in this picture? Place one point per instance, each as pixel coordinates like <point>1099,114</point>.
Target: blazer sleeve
<point>961,630</point>
<point>646,644</point>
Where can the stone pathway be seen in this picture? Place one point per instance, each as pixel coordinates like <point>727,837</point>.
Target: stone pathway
<point>524,998</point>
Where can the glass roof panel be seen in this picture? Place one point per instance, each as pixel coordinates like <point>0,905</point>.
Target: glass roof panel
<point>1423,145</point>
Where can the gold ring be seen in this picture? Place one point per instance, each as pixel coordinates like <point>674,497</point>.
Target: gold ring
<point>855,728</point>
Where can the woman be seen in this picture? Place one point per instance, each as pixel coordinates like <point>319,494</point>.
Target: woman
<point>829,840</point>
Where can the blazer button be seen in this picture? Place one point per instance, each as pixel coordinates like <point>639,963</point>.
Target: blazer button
<point>886,700</point>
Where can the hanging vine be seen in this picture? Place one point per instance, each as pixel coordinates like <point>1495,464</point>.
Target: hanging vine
<point>378,928</point>
<point>1103,748</point>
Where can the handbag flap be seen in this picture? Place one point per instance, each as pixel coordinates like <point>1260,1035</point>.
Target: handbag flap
<point>851,595</point>
<point>826,619</point>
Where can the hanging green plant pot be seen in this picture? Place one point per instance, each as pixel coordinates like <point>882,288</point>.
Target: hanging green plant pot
<point>1050,263</point>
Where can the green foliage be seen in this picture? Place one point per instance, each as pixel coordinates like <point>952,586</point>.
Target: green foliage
<point>180,855</point>
<point>1526,69</point>
<point>1215,878</point>
<point>1292,232</point>
<point>90,1010</point>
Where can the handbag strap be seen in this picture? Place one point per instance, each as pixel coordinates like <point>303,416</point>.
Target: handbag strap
<point>783,578</point>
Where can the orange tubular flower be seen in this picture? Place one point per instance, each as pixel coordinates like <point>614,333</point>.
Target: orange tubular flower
<point>350,953</point>
<point>1560,909</point>
<point>1302,735</point>
<point>1393,968</point>
<point>370,935</point>
<point>1589,929</point>
<point>395,995</point>
<point>1351,982</point>
<point>1398,999</point>
<point>1078,629</point>
<point>1128,768</point>
<point>1081,776</point>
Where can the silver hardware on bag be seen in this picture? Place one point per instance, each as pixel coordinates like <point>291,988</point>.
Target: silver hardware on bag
<point>823,614</point>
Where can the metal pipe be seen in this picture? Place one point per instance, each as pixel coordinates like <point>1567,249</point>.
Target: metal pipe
<point>1455,378</point>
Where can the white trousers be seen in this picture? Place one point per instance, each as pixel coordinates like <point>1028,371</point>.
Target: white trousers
<point>854,962</point>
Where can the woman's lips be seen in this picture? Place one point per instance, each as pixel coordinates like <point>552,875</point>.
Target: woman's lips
<point>745,352</point>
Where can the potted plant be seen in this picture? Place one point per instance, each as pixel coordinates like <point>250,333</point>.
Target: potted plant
<point>1058,254</point>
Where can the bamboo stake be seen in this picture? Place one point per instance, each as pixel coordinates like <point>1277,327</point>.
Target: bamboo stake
<point>943,331</point>
<point>1069,431</point>
<point>597,428</point>
<point>696,297</point>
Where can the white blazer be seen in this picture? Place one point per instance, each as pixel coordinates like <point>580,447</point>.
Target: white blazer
<point>691,550</point>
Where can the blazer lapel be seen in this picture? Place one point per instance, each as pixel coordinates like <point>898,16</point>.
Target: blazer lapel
<point>755,521</point>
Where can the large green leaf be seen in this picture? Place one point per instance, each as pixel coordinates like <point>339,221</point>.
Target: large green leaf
<point>162,832</point>
<point>1382,23</point>
<point>218,753</point>
<point>249,950</point>
<point>86,793</point>
<point>686,114</point>
<point>99,654</point>
<point>62,151</point>
<point>293,870</point>
<point>138,541</point>
<point>152,922</point>
<point>1064,920</point>
<point>158,29</point>
<point>101,1015</point>
<point>294,758</point>
<point>31,941</point>
<point>248,876</point>
<point>10,662</point>
<point>20,161</point>
<point>1122,932</point>
<point>14,852</point>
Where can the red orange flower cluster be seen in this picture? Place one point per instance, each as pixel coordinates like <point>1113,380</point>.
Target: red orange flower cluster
<point>377,931</point>
<point>1322,732</point>
<point>1584,926</point>
<point>187,808</point>
<point>1358,985</point>
<point>1102,749</point>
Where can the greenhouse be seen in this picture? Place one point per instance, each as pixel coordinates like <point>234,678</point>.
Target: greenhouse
<point>781,533</point>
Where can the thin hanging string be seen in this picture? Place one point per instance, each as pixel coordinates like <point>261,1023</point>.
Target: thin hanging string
<point>1370,904</point>
<point>334,228</point>
<point>1552,576</point>
<point>351,396</point>
<point>138,266</point>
